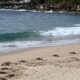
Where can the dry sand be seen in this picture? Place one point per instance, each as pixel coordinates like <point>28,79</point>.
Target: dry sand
<point>51,63</point>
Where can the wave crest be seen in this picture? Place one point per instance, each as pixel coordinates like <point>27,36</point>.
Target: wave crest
<point>60,31</point>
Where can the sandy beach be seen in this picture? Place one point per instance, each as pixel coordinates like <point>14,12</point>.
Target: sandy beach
<point>50,63</point>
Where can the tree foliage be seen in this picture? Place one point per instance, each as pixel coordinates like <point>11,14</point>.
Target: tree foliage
<point>74,2</point>
<point>65,3</point>
<point>35,2</point>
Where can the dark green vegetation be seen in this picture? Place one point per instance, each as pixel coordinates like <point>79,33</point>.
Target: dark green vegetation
<point>58,4</point>
<point>66,2</point>
<point>69,5</point>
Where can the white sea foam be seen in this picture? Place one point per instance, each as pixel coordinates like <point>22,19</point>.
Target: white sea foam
<point>34,11</point>
<point>19,10</point>
<point>61,12</point>
<point>50,11</point>
<point>62,31</point>
<point>9,46</point>
<point>77,25</point>
<point>6,9</point>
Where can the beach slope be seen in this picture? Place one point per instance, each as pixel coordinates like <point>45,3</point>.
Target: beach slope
<point>50,63</point>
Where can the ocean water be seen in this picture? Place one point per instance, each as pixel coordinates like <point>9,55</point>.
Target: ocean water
<point>27,29</point>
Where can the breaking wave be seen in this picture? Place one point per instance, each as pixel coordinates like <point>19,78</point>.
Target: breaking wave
<point>62,31</point>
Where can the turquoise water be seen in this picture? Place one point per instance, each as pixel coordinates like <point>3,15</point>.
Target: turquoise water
<point>24,29</point>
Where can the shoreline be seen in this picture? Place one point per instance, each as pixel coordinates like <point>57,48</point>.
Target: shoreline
<point>19,51</point>
<point>45,11</point>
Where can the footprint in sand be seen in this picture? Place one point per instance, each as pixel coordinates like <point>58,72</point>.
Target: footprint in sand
<point>3,72</point>
<point>38,58</point>
<point>73,53</point>
<point>55,55</point>
<point>10,75</point>
<point>6,64</point>
<point>22,61</point>
<point>10,70</point>
<point>5,68</point>
<point>1,78</point>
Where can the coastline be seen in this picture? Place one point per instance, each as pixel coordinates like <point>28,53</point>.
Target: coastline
<point>45,11</point>
<point>22,50</point>
<point>48,61</point>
